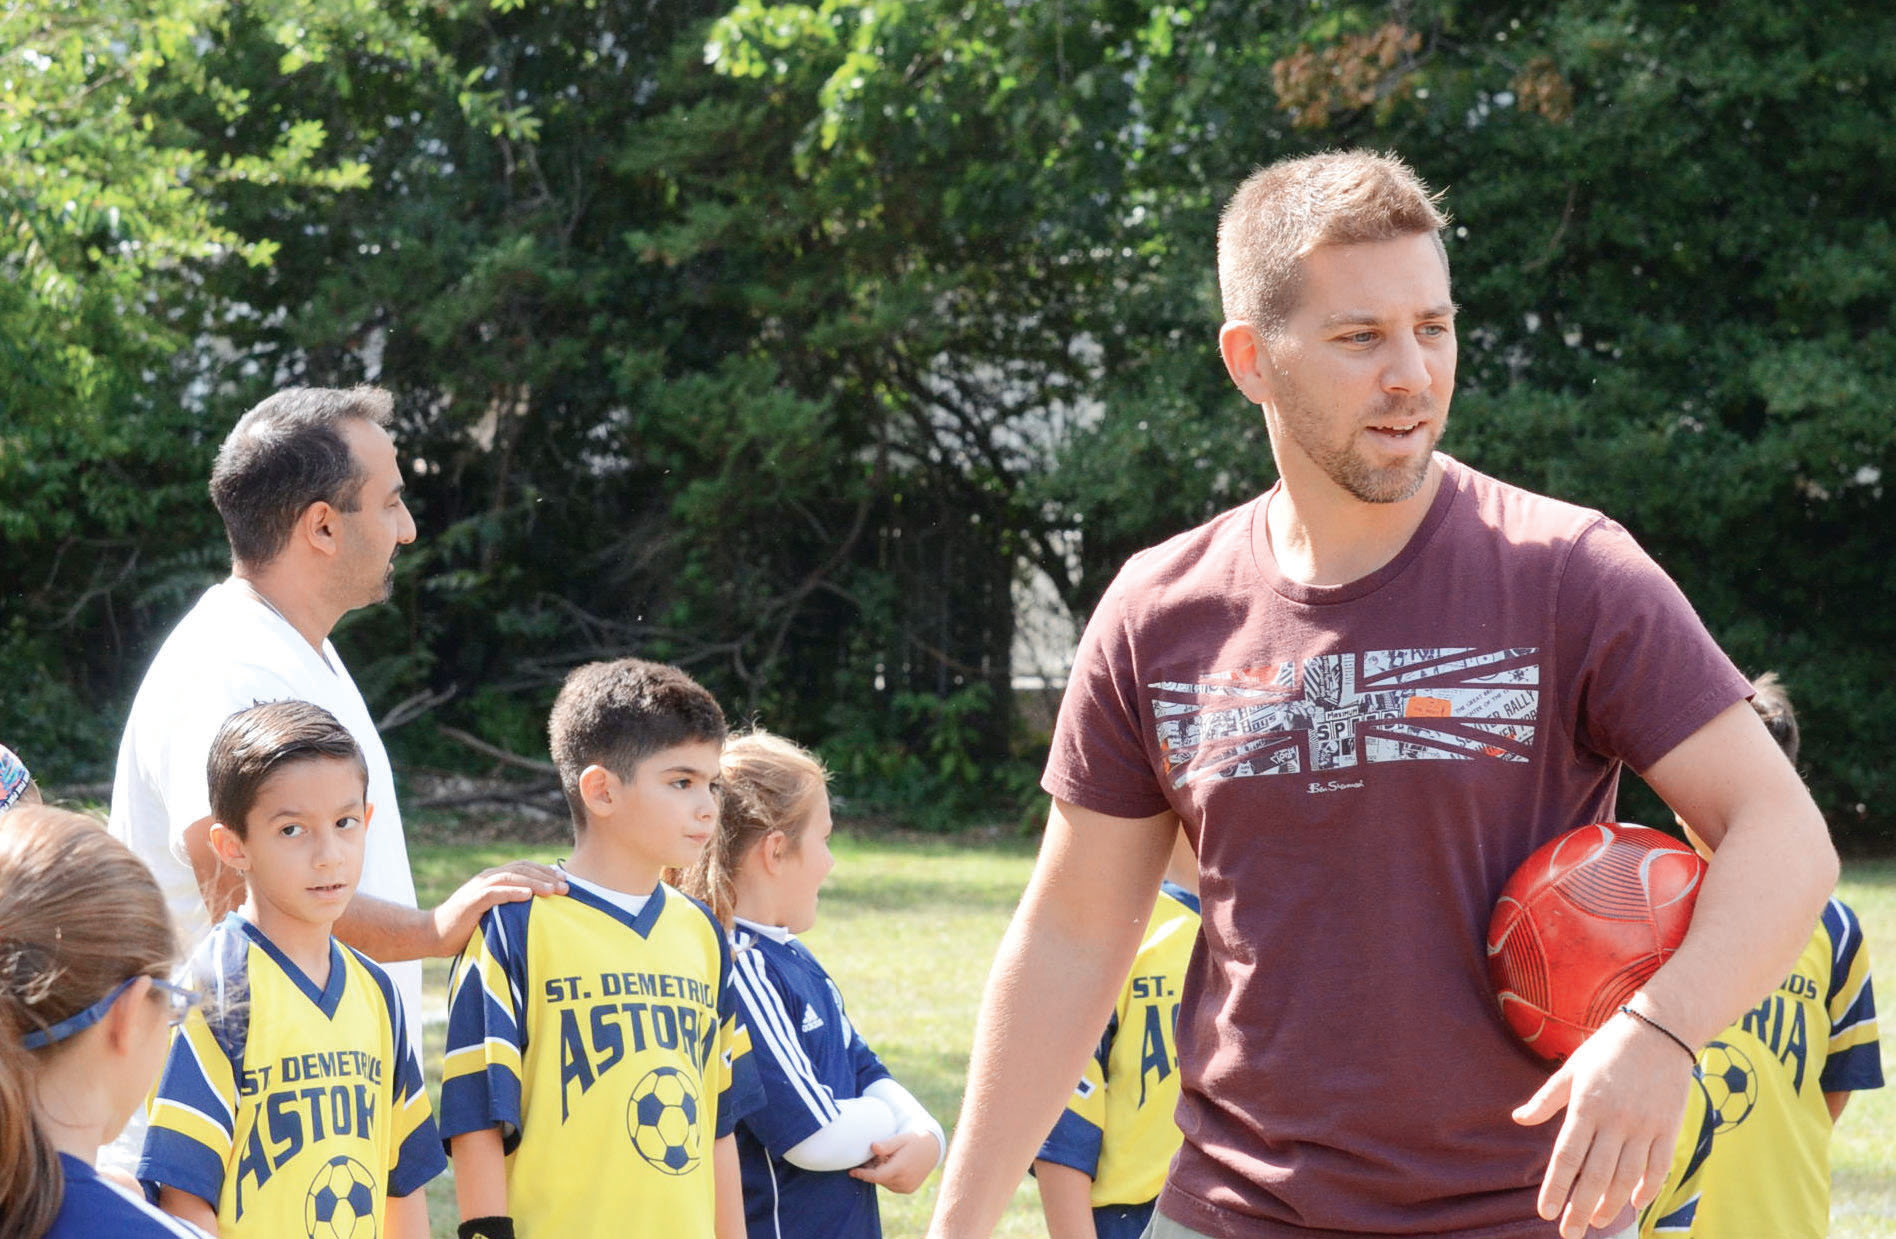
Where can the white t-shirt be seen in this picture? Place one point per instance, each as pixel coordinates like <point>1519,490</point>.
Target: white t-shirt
<point>231,651</point>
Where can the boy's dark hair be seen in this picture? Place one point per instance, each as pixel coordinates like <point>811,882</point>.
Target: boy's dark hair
<point>286,454</point>
<point>256,742</point>
<point>617,714</point>
<point>1773,705</point>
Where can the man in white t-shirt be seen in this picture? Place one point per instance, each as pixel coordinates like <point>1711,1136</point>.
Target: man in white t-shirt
<point>311,496</point>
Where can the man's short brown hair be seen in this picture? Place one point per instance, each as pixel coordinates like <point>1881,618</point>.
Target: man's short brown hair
<point>1281,213</point>
<point>256,742</point>
<point>617,714</point>
<point>286,454</point>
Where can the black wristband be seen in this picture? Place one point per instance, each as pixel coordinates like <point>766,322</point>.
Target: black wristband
<point>487,1228</point>
<point>1655,1025</point>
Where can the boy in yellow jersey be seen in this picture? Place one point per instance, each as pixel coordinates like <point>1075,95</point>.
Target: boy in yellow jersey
<point>292,1102</point>
<point>1101,1169</point>
<point>595,1067</point>
<point>1777,1080</point>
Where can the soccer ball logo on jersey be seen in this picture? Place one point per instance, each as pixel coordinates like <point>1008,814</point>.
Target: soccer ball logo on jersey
<point>341,1201</point>
<point>1730,1081</point>
<point>662,1119</point>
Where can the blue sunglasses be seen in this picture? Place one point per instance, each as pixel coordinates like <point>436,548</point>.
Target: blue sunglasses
<point>180,999</point>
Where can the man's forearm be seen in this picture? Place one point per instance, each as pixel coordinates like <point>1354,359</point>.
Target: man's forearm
<point>388,932</point>
<point>1772,868</point>
<point>1763,893</point>
<point>1030,1044</point>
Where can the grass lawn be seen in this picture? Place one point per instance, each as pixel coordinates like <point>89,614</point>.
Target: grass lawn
<point>908,927</point>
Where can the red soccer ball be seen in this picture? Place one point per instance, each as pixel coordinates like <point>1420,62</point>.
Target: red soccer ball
<point>1583,923</point>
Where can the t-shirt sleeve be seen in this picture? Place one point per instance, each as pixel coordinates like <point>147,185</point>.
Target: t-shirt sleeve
<point>1855,1060</point>
<point>1098,759</point>
<point>415,1153</point>
<point>193,1116</point>
<point>734,1067</point>
<point>480,1063</point>
<point>1080,1132</point>
<point>1641,673</point>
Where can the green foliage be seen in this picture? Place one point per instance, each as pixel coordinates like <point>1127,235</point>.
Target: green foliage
<point>777,339</point>
<point>923,771</point>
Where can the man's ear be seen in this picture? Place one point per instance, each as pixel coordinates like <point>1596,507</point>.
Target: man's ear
<point>1247,359</point>
<point>229,848</point>
<point>599,789</point>
<point>319,527</point>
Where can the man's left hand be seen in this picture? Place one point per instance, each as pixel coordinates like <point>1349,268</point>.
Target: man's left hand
<point>1624,1090</point>
<point>455,919</point>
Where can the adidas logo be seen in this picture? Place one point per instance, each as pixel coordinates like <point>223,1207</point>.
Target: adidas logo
<point>811,1020</point>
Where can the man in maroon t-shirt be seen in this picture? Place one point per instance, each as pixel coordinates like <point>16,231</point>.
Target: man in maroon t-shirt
<point>1366,696</point>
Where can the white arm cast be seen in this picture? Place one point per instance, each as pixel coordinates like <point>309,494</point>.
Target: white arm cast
<point>910,1113</point>
<point>843,1143</point>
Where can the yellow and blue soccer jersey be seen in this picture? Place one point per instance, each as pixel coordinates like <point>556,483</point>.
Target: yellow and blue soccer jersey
<point>1672,1211</point>
<point>1768,1173</point>
<point>808,1057</point>
<point>290,1108</point>
<point>604,1044</point>
<point>1118,1126</point>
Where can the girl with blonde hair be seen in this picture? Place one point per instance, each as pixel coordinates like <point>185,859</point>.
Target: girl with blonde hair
<point>834,1124</point>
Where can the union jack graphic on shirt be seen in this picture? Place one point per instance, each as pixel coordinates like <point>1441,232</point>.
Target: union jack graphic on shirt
<point>1336,711</point>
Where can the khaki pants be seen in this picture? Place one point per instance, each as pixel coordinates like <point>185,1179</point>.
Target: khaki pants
<point>1163,1227</point>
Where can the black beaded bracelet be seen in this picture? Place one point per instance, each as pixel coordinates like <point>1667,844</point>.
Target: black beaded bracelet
<point>1649,1022</point>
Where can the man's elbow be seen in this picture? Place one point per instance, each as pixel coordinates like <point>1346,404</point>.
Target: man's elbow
<point>1817,867</point>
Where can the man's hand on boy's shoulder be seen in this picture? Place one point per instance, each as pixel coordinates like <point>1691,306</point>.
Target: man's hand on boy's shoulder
<point>454,920</point>
<point>901,1163</point>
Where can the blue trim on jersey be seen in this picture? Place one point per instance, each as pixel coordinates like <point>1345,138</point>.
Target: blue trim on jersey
<point>422,1157</point>
<point>492,1099</point>
<point>640,924</point>
<point>1679,1221</point>
<point>1853,1070</point>
<point>1188,898</point>
<point>168,1159</point>
<point>329,996</point>
<point>1123,1221</point>
<point>92,1207</point>
<point>1861,1066</point>
<point>745,1095</point>
<point>1846,936</point>
<point>1073,1142</point>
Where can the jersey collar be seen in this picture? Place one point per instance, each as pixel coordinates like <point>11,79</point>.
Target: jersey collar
<point>326,999</point>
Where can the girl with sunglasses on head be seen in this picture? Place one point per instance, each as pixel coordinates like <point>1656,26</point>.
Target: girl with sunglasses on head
<point>86,1011</point>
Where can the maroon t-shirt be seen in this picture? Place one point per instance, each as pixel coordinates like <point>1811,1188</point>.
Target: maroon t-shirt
<point>1361,768</point>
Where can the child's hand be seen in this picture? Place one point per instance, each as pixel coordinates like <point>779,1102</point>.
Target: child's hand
<point>901,1163</point>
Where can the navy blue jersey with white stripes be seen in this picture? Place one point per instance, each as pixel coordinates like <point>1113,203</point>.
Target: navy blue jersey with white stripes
<point>809,1057</point>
